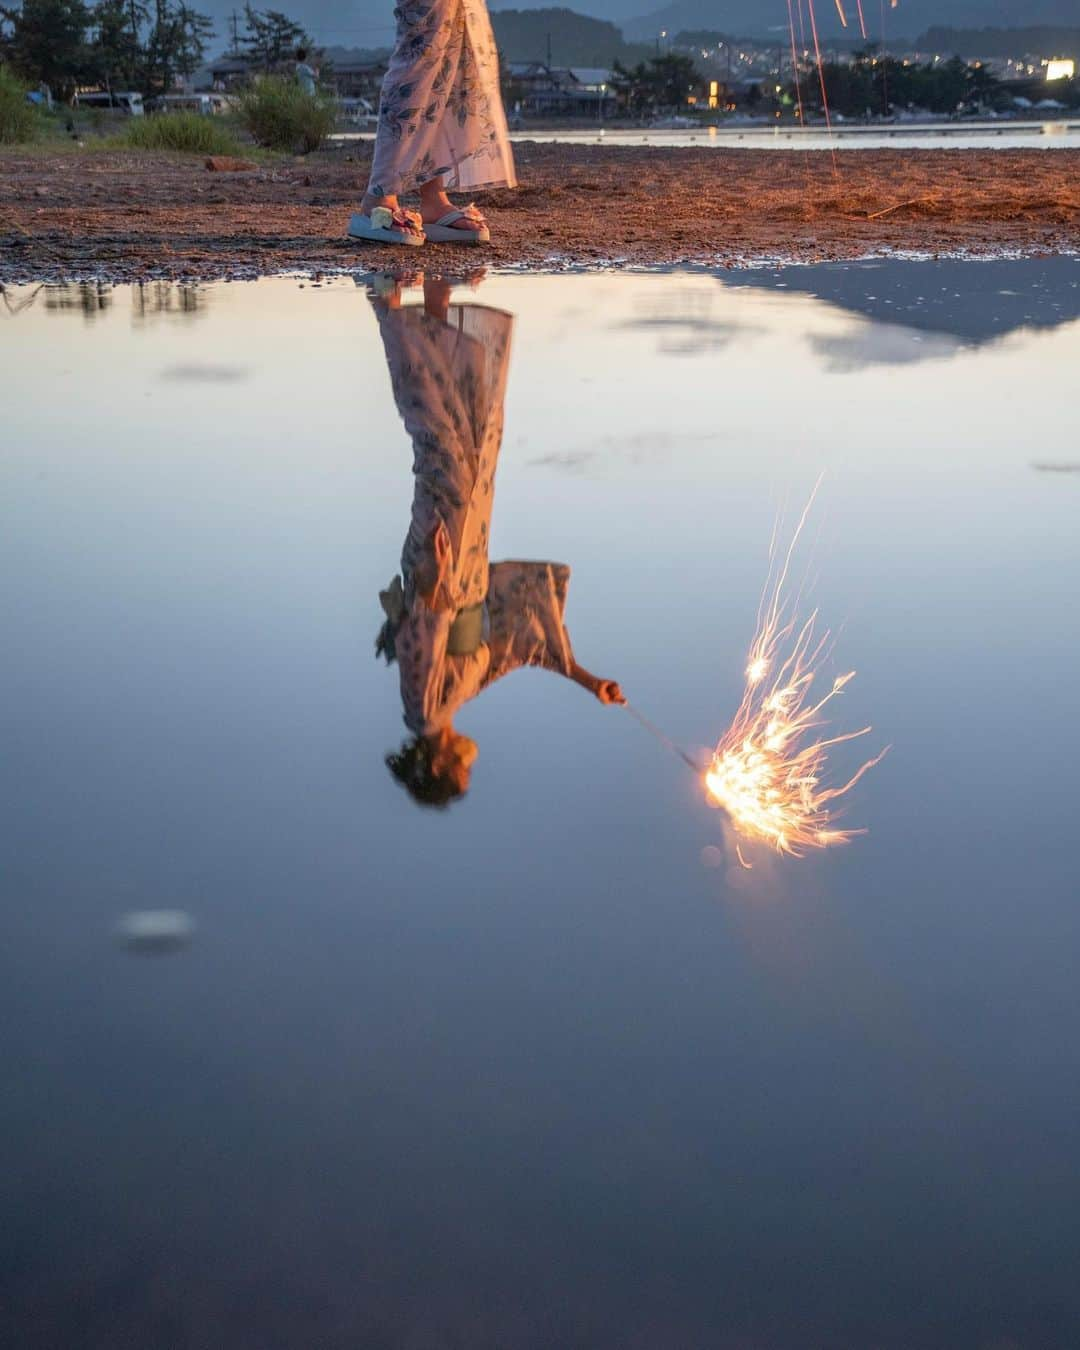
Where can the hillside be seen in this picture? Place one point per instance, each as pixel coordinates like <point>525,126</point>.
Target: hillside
<point>571,39</point>
<point>761,18</point>
<point>1044,40</point>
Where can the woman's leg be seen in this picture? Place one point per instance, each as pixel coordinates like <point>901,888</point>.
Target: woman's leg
<point>441,119</point>
<point>369,202</point>
<point>434,204</point>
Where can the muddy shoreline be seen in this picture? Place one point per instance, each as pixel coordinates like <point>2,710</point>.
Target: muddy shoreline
<point>70,214</point>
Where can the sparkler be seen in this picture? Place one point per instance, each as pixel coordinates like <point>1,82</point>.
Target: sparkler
<point>768,771</point>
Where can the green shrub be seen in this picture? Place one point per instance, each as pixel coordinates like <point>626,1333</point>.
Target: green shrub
<point>19,120</point>
<point>281,116</point>
<point>190,132</point>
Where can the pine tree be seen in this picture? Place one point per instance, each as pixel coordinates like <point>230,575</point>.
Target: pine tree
<point>116,50</point>
<point>177,43</point>
<point>46,43</point>
<point>271,36</point>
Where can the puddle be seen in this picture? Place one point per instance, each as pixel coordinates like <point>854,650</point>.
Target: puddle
<point>533,1063</point>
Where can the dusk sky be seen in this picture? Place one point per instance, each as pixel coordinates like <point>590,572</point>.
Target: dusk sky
<point>368,23</point>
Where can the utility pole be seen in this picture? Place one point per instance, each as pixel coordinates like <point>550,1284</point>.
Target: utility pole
<point>134,40</point>
<point>549,51</point>
<point>234,24</point>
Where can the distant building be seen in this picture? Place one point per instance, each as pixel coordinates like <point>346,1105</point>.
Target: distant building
<point>227,72</point>
<point>554,91</point>
<point>354,78</point>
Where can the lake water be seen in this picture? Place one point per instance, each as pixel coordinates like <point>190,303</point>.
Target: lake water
<point>526,1072</point>
<point>1054,133</point>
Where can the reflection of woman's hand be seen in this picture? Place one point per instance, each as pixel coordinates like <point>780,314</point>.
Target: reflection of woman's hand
<point>608,691</point>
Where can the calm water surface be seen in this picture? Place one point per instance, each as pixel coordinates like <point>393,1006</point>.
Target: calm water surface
<point>524,1072</point>
<point>1058,132</point>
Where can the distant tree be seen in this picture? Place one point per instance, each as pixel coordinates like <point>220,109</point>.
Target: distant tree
<point>45,41</point>
<point>270,37</point>
<point>115,50</point>
<point>661,82</point>
<point>193,35</point>
<point>177,43</point>
<point>877,84</point>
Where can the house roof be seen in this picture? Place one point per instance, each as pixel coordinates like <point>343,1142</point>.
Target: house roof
<point>590,74</point>
<point>523,69</point>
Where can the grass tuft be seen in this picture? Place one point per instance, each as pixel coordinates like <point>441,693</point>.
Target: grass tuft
<point>281,116</point>
<point>19,121</point>
<point>189,132</point>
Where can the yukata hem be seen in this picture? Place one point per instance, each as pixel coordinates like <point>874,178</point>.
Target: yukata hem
<point>411,184</point>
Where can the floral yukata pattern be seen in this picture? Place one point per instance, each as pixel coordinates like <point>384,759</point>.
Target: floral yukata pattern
<point>449,382</point>
<point>440,112</point>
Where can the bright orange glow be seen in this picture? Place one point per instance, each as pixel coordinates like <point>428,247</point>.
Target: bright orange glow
<point>768,770</point>
<point>840,11</point>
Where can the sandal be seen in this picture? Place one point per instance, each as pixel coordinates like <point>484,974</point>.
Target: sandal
<point>386,226</point>
<point>444,231</point>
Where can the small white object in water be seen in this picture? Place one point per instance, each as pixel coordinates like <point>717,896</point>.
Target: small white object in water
<point>155,930</point>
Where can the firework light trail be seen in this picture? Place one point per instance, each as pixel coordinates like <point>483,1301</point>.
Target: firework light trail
<point>768,771</point>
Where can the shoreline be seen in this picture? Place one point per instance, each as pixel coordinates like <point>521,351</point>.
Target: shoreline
<point>121,216</point>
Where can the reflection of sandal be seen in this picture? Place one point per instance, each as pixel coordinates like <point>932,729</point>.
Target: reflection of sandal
<point>381,285</point>
<point>444,230</point>
<point>385,226</point>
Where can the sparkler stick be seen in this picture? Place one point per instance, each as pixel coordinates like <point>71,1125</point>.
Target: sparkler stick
<point>664,740</point>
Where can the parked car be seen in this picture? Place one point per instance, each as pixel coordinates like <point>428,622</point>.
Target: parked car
<point>206,103</point>
<point>358,111</point>
<point>125,101</point>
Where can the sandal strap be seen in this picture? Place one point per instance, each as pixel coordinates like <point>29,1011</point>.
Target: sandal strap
<point>471,212</point>
<point>408,222</point>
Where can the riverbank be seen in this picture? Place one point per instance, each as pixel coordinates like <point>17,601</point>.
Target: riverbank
<point>126,215</point>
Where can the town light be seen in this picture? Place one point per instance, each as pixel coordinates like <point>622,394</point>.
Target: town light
<point>1061,68</point>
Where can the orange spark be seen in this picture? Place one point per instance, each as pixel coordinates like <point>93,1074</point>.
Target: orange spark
<point>795,62</point>
<point>862,20</point>
<point>824,93</point>
<point>840,11</point>
<point>768,770</point>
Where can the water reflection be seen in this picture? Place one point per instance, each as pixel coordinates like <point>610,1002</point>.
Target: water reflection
<point>456,622</point>
<point>539,1079</point>
<point>90,299</point>
<point>956,304</point>
<point>154,298</point>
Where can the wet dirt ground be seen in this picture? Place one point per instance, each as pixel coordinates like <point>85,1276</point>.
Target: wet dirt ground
<point>127,215</point>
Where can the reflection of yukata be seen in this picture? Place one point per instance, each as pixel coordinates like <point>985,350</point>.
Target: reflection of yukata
<point>449,383</point>
<point>440,111</point>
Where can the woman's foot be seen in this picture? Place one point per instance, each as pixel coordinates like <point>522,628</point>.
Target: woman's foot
<point>382,220</point>
<point>434,204</point>
<point>450,224</point>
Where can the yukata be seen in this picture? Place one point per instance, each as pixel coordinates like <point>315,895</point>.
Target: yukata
<point>449,382</point>
<point>440,110</point>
